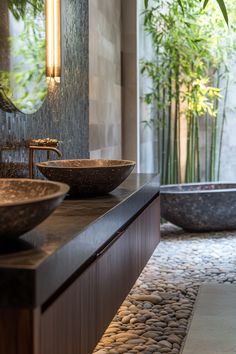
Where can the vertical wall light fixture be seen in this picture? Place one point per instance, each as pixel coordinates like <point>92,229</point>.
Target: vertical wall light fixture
<point>53,39</point>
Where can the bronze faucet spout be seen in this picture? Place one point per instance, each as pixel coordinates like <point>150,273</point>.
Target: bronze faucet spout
<point>47,148</point>
<point>37,147</point>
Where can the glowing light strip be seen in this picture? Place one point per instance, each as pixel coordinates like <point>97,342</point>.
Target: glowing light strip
<point>53,37</point>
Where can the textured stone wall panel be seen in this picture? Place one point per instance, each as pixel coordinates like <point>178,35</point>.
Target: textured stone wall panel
<point>64,114</point>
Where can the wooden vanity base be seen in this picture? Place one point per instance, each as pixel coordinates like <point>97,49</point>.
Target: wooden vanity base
<point>73,321</point>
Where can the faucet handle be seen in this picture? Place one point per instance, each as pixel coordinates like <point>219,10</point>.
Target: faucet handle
<point>44,142</point>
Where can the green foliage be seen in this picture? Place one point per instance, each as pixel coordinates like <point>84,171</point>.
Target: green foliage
<point>19,8</point>
<point>26,83</point>
<point>192,51</point>
<point>221,4</point>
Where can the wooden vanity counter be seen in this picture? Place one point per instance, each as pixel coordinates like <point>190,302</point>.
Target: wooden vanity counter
<point>63,282</point>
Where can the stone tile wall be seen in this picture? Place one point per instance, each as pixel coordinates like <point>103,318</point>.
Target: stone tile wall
<point>105,78</point>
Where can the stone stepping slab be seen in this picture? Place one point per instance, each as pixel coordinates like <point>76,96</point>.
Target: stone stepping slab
<point>213,326</point>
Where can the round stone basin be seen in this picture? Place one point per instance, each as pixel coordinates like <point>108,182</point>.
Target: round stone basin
<point>88,177</point>
<point>25,203</point>
<point>200,206</point>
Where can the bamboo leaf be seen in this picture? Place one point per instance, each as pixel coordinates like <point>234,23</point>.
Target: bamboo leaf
<point>181,5</point>
<point>223,10</point>
<point>146,3</point>
<point>205,3</point>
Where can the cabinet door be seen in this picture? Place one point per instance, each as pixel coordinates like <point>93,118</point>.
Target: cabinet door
<point>74,323</point>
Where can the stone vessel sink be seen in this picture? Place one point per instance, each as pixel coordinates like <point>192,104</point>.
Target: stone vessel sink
<point>88,177</point>
<point>25,203</point>
<point>200,206</point>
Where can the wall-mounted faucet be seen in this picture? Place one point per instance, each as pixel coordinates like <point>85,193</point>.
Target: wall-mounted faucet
<point>48,145</point>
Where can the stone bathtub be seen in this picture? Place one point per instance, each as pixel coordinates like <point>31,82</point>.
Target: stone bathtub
<point>200,206</point>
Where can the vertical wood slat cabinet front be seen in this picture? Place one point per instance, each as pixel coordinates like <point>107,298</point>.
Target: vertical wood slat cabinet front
<point>76,320</point>
<point>19,331</point>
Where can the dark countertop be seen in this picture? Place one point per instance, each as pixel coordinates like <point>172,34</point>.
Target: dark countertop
<point>45,258</point>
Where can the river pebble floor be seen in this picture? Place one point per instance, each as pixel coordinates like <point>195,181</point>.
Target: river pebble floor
<point>155,316</point>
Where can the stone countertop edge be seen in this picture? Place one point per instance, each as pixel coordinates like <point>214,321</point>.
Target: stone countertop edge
<point>31,287</point>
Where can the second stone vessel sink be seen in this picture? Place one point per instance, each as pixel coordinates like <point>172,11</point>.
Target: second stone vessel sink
<point>25,203</point>
<point>88,177</point>
<point>200,207</point>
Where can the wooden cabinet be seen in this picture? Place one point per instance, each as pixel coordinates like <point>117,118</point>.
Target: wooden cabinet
<point>74,321</point>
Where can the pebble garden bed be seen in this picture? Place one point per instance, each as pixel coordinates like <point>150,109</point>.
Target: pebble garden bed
<point>155,316</point>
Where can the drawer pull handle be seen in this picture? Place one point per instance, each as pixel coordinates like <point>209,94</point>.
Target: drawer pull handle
<point>114,239</point>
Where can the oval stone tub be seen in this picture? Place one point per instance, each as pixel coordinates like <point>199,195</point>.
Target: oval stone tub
<point>200,206</point>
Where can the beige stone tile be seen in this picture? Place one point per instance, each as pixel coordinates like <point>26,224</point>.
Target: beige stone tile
<point>113,152</point>
<point>114,135</point>
<point>96,136</point>
<point>99,112</point>
<point>108,70</point>
<point>105,109</point>
<point>95,154</point>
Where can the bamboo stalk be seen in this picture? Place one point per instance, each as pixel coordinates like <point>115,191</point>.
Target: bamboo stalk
<point>176,129</point>
<point>170,155</point>
<point>206,150</point>
<point>189,154</point>
<point>212,161</point>
<point>192,151</point>
<point>222,126</point>
<point>214,134</point>
<point>197,150</point>
<point>165,139</point>
<point>158,131</point>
